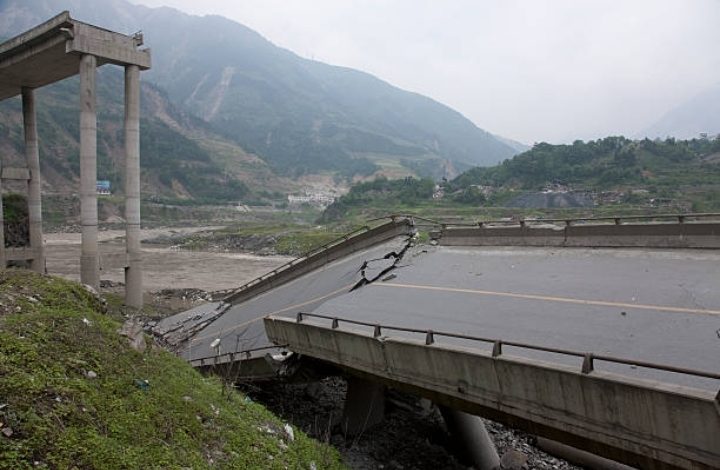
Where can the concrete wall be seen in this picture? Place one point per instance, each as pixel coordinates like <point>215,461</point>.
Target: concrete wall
<point>641,423</point>
<point>305,265</point>
<point>673,235</point>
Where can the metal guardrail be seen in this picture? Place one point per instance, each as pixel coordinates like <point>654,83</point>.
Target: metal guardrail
<point>588,358</point>
<point>232,355</point>
<point>618,220</point>
<point>300,258</point>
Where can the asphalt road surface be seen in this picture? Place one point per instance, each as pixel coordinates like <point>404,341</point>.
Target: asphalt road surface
<point>659,306</point>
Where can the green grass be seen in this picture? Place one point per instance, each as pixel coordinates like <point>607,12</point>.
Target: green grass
<point>61,418</point>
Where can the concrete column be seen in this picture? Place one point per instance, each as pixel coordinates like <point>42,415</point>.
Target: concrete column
<point>364,406</point>
<point>133,270</point>
<point>3,259</point>
<point>89,267</point>
<point>470,431</point>
<point>32,155</point>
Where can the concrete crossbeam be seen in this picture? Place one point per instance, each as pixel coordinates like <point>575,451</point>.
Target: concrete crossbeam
<point>15,173</point>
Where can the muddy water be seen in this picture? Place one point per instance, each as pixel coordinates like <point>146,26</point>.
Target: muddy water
<point>164,267</point>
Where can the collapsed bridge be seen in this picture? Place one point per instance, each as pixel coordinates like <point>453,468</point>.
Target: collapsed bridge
<point>610,349</point>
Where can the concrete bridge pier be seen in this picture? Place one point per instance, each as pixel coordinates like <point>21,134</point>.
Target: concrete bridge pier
<point>133,269</point>
<point>32,156</point>
<point>474,439</point>
<point>89,259</point>
<point>364,406</point>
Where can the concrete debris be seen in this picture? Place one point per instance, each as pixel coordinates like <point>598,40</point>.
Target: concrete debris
<point>289,431</point>
<point>132,329</point>
<point>7,432</point>
<point>513,460</point>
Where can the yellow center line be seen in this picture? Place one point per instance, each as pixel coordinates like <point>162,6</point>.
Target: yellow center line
<point>284,309</point>
<point>570,300</point>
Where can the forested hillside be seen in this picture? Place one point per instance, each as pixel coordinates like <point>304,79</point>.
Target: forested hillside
<point>604,164</point>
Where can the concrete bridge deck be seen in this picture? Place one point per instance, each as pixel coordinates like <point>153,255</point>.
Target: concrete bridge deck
<point>643,305</point>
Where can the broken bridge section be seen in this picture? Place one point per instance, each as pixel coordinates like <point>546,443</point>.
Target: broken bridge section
<point>230,333</point>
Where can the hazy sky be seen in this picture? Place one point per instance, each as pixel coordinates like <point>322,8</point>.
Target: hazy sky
<point>531,70</point>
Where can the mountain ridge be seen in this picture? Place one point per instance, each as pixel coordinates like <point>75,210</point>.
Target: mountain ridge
<point>298,115</point>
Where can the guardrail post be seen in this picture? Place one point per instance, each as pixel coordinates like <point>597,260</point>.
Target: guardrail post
<point>429,337</point>
<point>480,224</point>
<point>618,221</point>
<point>248,355</point>
<point>299,317</point>
<point>681,219</point>
<point>335,323</point>
<point>522,223</point>
<point>377,332</point>
<point>568,223</point>
<point>497,348</point>
<point>588,365</point>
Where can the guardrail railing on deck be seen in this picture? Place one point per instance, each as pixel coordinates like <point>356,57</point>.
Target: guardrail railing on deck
<point>231,356</point>
<point>295,261</point>
<point>618,220</point>
<point>588,358</point>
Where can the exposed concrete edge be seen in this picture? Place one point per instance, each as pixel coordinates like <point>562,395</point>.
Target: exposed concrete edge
<point>36,34</point>
<point>684,429</point>
<point>668,235</point>
<point>364,240</point>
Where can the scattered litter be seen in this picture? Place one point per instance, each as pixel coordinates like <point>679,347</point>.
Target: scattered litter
<point>32,299</point>
<point>247,399</point>
<point>3,406</point>
<point>289,431</point>
<point>623,313</point>
<point>215,344</point>
<point>389,278</point>
<point>143,385</point>
<point>187,398</point>
<point>86,321</point>
<point>7,432</point>
<point>91,374</point>
<point>313,466</point>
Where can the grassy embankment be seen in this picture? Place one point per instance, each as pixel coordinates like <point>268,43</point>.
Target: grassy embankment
<point>74,394</point>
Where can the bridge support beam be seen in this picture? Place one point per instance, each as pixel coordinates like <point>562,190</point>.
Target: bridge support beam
<point>32,155</point>
<point>89,258</point>
<point>364,406</point>
<point>470,431</point>
<point>133,270</point>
